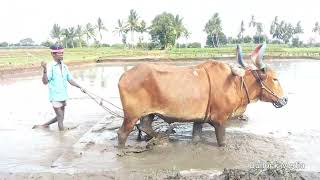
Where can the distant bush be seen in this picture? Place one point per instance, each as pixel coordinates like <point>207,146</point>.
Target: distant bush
<point>296,42</point>
<point>247,39</point>
<point>178,45</point>
<point>142,45</point>
<point>118,46</point>
<point>194,45</point>
<point>153,45</point>
<point>275,42</point>
<point>47,43</point>
<point>259,39</point>
<point>4,44</point>
<point>105,45</point>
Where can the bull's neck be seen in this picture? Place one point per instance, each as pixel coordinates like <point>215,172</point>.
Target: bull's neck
<point>252,87</point>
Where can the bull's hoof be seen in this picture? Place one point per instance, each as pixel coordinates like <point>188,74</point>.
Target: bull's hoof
<point>120,146</point>
<point>196,139</point>
<point>243,117</point>
<point>221,144</point>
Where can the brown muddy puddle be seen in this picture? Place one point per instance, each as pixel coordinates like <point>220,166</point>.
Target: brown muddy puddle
<point>287,135</point>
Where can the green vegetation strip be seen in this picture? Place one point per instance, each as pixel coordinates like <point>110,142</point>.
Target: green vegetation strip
<point>9,58</point>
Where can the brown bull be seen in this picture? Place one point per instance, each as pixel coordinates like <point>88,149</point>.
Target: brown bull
<point>206,93</point>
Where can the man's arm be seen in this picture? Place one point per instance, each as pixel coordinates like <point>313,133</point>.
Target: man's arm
<point>73,83</point>
<point>44,76</point>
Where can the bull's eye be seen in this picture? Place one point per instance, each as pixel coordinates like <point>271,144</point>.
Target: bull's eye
<point>275,79</point>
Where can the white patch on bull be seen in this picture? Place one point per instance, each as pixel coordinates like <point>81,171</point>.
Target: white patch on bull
<point>254,100</point>
<point>237,70</point>
<point>195,73</point>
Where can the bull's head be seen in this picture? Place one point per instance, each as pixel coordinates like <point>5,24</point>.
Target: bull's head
<point>271,90</point>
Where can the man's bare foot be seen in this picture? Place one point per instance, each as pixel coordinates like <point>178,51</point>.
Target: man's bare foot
<point>69,128</point>
<point>40,126</point>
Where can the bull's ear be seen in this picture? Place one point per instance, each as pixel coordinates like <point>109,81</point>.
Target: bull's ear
<point>257,56</point>
<point>240,56</point>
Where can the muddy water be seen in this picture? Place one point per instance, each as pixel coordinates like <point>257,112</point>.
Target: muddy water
<point>290,134</point>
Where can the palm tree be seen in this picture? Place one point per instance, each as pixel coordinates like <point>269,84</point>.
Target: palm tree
<point>298,29</point>
<point>274,26</point>
<point>79,34</point>
<point>121,29</point>
<point>242,29</point>
<point>213,28</point>
<point>252,22</point>
<point>179,27</point>
<point>56,32</point>
<point>67,35</point>
<point>89,32</point>
<point>316,28</point>
<point>186,35</point>
<point>259,30</point>
<point>100,27</point>
<point>133,23</point>
<point>142,28</point>
<point>72,32</point>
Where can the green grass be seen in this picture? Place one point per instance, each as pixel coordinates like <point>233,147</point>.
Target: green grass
<point>13,57</point>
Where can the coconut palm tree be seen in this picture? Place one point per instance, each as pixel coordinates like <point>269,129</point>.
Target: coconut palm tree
<point>89,31</point>
<point>121,29</point>
<point>72,32</point>
<point>213,28</point>
<point>100,27</point>
<point>142,28</point>
<point>56,32</point>
<point>79,34</point>
<point>67,34</point>
<point>259,30</point>
<point>179,27</point>
<point>133,23</point>
<point>316,28</point>
<point>274,26</point>
<point>242,29</point>
<point>252,23</point>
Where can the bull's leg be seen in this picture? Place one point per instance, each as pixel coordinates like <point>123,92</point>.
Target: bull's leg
<point>125,130</point>
<point>220,131</point>
<point>196,132</point>
<point>146,125</point>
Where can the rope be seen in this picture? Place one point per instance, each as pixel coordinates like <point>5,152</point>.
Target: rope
<point>96,97</point>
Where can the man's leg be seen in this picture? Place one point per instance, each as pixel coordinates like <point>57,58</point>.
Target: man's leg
<point>60,117</point>
<point>47,124</point>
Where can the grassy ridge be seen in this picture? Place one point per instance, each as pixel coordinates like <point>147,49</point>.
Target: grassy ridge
<point>12,57</point>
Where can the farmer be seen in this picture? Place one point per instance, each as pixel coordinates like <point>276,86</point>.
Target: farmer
<point>56,74</point>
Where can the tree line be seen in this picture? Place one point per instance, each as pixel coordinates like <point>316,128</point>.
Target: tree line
<point>167,28</point>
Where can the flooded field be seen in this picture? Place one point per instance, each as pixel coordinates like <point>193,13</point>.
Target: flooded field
<point>289,135</point>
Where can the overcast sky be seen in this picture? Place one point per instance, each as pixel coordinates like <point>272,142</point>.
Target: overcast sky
<point>35,18</point>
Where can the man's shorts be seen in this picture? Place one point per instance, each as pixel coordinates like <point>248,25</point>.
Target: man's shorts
<point>58,104</point>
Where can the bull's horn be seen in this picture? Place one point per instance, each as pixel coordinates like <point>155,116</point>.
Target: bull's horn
<point>257,56</point>
<point>240,56</point>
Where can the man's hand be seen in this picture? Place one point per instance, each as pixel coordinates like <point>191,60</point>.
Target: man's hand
<point>83,90</point>
<point>44,65</point>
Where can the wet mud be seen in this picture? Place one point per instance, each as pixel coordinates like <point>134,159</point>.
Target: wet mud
<point>267,144</point>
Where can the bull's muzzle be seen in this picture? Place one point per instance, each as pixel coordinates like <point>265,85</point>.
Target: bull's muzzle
<point>280,102</point>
